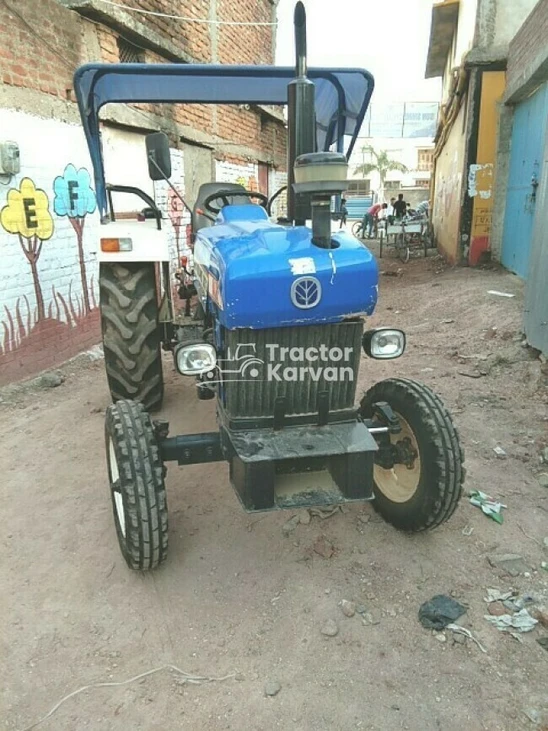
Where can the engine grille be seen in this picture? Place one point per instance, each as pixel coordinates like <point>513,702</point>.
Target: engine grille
<point>253,391</point>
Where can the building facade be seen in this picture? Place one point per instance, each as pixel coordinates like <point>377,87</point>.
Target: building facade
<point>520,222</point>
<point>469,46</point>
<point>415,154</point>
<point>48,270</point>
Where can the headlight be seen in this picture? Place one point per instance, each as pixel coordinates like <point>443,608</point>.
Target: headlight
<point>193,359</point>
<point>384,343</point>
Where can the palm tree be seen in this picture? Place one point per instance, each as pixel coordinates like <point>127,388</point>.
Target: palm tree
<point>380,163</point>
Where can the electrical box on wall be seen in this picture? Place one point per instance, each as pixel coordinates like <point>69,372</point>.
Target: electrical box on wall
<point>10,162</point>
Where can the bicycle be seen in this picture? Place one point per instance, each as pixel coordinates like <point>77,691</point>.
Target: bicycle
<point>402,247</point>
<point>358,232</point>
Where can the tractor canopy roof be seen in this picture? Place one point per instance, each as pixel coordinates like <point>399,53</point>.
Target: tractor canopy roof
<point>342,96</point>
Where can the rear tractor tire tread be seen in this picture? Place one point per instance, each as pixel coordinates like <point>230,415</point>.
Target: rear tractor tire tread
<point>141,484</point>
<point>442,457</point>
<point>131,336</point>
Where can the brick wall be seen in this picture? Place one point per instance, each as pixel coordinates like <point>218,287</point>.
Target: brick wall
<point>193,38</point>
<point>528,55</point>
<point>245,44</point>
<point>48,307</point>
<point>206,42</point>
<point>39,50</point>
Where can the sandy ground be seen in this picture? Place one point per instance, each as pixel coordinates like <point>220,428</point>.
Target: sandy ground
<point>238,597</point>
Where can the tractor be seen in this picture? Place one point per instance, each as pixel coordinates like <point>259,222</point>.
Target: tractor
<point>278,329</point>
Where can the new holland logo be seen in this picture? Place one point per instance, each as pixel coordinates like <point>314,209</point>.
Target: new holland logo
<point>306,292</point>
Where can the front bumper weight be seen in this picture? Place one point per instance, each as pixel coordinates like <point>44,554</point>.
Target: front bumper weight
<point>301,466</point>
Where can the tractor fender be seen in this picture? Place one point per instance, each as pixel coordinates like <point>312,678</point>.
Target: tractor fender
<point>147,242</point>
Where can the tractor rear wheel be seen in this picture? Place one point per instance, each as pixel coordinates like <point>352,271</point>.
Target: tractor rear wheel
<point>131,336</point>
<point>136,476</point>
<point>419,472</point>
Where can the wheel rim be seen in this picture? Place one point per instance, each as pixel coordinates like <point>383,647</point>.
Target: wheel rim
<point>400,483</point>
<point>114,474</point>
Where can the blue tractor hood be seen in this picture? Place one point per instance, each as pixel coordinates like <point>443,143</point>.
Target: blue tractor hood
<point>257,274</point>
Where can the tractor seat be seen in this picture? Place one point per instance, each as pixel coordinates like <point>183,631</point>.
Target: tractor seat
<point>208,189</point>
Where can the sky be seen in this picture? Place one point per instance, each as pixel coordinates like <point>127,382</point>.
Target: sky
<point>389,39</point>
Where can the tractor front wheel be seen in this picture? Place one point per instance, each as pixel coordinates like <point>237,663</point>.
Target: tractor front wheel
<point>131,336</point>
<point>136,476</point>
<point>418,472</point>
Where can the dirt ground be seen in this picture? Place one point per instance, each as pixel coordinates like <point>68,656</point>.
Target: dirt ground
<point>239,598</point>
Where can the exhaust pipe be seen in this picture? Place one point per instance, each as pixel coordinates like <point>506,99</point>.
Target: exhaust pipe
<point>301,120</point>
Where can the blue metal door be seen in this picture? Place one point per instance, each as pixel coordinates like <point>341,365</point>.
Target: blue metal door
<point>526,156</point>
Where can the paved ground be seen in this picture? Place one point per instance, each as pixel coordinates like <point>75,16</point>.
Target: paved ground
<point>237,596</point>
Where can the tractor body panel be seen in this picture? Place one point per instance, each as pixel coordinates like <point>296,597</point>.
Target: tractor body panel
<point>258,274</point>
<point>146,241</point>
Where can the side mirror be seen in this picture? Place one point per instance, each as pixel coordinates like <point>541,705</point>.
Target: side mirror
<point>158,156</point>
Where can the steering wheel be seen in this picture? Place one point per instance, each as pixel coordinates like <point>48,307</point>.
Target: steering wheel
<point>224,195</point>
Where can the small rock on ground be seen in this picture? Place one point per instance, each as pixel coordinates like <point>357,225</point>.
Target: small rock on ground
<point>272,688</point>
<point>372,617</point>
<point>541,614</point>
<point>348,608</point>
<point>330,628</point>
<point>543,479</point>
<point>511,563</point>
<point>497,609</point>
<point>290,525</point>
<point>324,547</point>
<point>304,517</point>
<point>52,380</point>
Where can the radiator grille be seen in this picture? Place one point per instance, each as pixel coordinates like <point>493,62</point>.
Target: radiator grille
<point>253,391</point>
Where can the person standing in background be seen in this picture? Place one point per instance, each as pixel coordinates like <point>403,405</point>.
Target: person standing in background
<point>390,211</point>
<point>344,212</point>
<point>400,207</point>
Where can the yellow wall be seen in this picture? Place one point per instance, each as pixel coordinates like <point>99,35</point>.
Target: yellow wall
<point>481,175</point>
<point>448,190</point>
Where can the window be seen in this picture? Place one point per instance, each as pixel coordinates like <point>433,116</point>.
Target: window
<point>130,53</point>
<point>359,187</point>
<point>426,160</point>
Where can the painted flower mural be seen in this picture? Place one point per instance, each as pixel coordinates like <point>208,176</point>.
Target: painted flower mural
<point>26,214</point>
<point>59,324</point>
<point>75,198</point>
